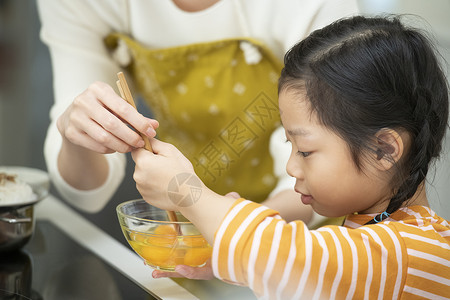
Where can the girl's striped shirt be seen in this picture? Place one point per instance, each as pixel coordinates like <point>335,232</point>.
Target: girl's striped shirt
<point>407,256</point>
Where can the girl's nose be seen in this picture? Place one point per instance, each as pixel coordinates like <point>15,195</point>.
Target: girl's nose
<point>293,167</point>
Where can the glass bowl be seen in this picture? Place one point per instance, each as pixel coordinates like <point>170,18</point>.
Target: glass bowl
<point>161,243</point>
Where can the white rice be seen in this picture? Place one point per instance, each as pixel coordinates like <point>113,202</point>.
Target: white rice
<point>15,192</point>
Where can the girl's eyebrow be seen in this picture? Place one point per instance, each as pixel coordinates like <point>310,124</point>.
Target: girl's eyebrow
<point>298,131</point>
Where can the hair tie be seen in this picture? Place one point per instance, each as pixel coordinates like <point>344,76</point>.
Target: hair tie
<point>381,217</point>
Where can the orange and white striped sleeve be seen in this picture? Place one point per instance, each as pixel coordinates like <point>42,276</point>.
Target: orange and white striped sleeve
<point>254,247</point>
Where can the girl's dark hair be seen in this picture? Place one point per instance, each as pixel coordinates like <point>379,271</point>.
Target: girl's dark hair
<point>364,74</point>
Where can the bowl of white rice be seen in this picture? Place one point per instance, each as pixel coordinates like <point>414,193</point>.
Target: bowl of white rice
<point>20,189</point>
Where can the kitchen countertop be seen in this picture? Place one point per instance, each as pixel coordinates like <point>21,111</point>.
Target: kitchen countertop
<point>126,261</point>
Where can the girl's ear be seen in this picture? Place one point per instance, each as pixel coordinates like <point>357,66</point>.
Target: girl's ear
<point>389,148</point>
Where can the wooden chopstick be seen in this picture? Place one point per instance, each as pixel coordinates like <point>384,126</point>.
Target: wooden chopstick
<point>125,93</point>
<point>173,218</point>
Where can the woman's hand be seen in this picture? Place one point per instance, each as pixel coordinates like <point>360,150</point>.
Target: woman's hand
<point>154,171</point>
<point>97,120</point>
<point>183,271</point>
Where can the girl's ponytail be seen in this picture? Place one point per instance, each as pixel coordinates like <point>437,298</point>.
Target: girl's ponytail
<point>429,113</point>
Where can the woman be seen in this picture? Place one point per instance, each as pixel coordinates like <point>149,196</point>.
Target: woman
<point>207,69</point>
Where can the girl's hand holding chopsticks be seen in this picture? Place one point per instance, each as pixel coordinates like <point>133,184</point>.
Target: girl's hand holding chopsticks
<point>97,120</point>
<point>154,171</point>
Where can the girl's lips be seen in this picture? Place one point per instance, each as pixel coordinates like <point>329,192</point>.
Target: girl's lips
<point>306,199</point>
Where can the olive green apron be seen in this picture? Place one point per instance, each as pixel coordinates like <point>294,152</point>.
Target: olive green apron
<point>217,104</point>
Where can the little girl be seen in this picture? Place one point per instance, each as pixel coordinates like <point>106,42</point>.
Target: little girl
<point>364,104</point>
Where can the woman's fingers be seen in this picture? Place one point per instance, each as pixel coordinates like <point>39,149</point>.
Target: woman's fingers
<point>112,127</point>
<point>183,271</point>
<point>83,121</point>
<point>82,139</point>
<point>121,108</point>
<point>202,273</point>
<point>110,111</point>
<point>100,114</point>
<point>110,141</point>
<point>154,123</point>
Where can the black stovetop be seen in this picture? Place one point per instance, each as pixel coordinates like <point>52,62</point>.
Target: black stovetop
<point>52,266</point>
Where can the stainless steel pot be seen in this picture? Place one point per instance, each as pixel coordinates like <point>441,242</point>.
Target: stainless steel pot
<point>17,221</point>
<point>16,227</point>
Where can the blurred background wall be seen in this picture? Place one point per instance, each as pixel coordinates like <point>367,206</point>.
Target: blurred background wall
<point>26,92</point>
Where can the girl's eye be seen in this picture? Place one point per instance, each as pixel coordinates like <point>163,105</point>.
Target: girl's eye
<point>304,154</point>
